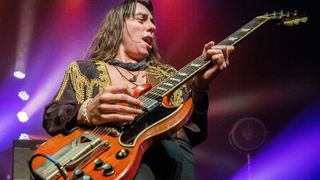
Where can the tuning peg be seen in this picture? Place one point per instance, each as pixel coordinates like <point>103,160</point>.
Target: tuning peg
<point>296,21</point>
<point>288,23</point>
<point>288,14</point>
<point>281,13</point>
<point>304,19</point>
<point>274,14</point>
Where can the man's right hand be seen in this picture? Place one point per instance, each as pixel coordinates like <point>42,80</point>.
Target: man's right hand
<point>112,105</point>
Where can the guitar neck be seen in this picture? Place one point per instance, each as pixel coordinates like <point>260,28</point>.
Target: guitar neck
<point>191,69</point>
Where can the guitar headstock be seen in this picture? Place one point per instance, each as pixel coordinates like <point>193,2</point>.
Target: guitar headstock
<point>287,18</point>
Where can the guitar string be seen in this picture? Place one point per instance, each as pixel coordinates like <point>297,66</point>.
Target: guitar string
<point>103,131</point>
<point>97,130</point>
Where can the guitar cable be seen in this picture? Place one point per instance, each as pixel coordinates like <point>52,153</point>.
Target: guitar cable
<point>54,161</point>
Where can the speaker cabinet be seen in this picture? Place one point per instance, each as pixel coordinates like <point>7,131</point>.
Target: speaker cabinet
<point>22,152</point>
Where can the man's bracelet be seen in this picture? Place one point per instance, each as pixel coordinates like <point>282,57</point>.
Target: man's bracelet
<point>84,111</point>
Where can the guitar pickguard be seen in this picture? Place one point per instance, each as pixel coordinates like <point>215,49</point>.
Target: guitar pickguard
<point>132,131</point>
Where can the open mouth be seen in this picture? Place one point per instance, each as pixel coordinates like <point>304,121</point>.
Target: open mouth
<point>148,40</point>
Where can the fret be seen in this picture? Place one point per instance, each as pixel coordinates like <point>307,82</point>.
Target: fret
<point>149,101</point>
<point>153,94</point>
<point>160,91</point>
<point>168,81</point>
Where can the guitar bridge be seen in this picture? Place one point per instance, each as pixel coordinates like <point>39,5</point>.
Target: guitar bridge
<point>72,155</point>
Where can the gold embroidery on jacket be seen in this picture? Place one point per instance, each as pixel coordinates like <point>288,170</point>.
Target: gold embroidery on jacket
<point>104,77</point>
<point>83,86</point>
<point>63,85</point>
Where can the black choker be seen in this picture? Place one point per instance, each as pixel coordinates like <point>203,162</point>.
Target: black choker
<point>141,65</point>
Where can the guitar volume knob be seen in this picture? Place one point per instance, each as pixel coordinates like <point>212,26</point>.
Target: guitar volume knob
<point>86,177</point>
<point>123,153</point>
<point>108,169</point>
<point>98,164</point>
<point>78,173</point>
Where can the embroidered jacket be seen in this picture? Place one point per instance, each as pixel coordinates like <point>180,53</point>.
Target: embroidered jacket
<point>83,79</point>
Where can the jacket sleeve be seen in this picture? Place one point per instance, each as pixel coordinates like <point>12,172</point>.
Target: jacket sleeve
<point>61,113</point>
<point>197,126</point>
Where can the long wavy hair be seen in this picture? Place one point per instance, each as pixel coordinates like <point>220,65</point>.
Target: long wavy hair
<point>105,44</point>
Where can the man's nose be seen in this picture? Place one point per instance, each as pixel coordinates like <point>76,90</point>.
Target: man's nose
<point>151,27</point>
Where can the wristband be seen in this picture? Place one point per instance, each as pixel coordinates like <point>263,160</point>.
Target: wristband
<point>84,111</point>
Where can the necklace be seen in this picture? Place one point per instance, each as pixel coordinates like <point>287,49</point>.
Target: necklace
<point>132,80</point>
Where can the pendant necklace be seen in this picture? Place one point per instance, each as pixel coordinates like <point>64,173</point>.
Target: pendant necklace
<point>133,79</point>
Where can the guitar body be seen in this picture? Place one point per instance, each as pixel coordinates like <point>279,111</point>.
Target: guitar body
<point>123,152</point>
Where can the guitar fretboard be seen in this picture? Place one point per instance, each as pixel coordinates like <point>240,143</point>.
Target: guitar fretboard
<point>189,70</point>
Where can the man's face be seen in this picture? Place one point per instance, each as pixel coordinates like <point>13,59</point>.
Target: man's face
<point>138,34</point>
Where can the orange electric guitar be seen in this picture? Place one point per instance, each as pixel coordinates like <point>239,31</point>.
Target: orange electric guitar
<point>105,152</point>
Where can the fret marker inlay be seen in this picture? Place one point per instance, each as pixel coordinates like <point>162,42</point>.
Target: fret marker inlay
<point>245,29</point>
<point>182,74</point>
<point>175,79</point>
<point>163,89</point>
<point>195,65</point>
<point>232,38</point>
<point>168,84</point>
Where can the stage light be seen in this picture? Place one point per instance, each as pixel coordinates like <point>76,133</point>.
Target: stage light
<point>23,116</point>
<point>24,35</point>
<point>19,74</point>
<point>24,136</point>
<point>24,95</point>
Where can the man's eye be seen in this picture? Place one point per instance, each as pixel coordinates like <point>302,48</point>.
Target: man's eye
<point>141,19</point>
